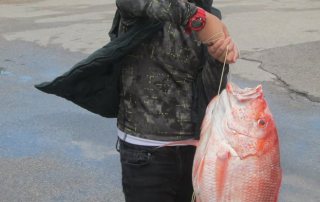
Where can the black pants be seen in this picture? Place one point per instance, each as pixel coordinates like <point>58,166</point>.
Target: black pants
<point>151,174</point>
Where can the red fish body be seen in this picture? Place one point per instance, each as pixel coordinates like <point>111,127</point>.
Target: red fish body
<point>237,158</point>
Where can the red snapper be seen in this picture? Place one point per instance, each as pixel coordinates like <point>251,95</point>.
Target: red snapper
<point>237,158</point>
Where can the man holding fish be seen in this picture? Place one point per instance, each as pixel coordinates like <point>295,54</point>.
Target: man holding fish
<point>159,94</point>
<point>166,61</point>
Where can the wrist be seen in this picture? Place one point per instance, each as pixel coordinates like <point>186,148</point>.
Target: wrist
<point>212,31</point>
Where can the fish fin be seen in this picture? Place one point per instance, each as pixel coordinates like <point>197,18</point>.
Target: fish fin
<point>223,157</point>
<point>198,174</point>
<point>200,169</point>
<point>182,142</point>
<point>194,198</point>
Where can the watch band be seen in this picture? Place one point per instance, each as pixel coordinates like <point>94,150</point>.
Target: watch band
<point>197,21</point>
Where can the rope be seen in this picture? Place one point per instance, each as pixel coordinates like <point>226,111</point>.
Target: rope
<point>193,199</point>
<point>222,73</point>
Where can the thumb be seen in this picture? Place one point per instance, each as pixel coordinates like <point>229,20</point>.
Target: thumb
<point>225,30</point>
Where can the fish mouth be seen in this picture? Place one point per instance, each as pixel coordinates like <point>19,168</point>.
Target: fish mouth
<point>244,105</point>
<point>244,94</point>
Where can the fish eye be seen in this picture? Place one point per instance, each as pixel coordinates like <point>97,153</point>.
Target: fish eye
<point>262,123</point>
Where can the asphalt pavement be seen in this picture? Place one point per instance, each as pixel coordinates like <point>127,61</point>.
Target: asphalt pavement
<point>52,150</point>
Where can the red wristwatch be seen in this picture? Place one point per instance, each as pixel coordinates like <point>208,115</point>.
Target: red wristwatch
<point>197,21</point>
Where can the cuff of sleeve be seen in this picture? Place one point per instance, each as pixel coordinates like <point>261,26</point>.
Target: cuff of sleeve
<point>191,11</point>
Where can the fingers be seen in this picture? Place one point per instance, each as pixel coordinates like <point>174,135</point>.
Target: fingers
<point>225,30</point>
<point>234,54</point>
<point>221,49</point>
<point>231,57</point>
<point>237,54</point>
<point>228,59</point>
<point>218,50</point>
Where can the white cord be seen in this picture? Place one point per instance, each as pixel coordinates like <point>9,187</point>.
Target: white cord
<point>222,73</point>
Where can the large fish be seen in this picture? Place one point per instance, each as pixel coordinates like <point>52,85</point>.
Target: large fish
<point>237,158</point>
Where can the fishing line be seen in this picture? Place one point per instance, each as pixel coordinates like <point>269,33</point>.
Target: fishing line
<point>206,145</point>
<point>222,73</point>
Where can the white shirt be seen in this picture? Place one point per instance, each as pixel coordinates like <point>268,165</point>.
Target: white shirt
<point>146,142</point>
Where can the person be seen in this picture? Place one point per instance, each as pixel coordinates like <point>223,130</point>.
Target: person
<point>159,94</point>
<point>156,76</point>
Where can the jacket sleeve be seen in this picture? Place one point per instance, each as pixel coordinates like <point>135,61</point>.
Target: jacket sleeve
<point>175,11</point>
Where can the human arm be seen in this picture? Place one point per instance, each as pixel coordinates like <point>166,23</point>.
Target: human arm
<point>175,11</point>
<point>178,12</point>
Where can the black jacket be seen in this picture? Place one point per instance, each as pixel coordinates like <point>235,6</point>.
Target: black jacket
<point>93,83</point>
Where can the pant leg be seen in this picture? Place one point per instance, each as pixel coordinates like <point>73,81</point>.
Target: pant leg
<point>148,174</point>
<point>156,175</point>
<point>185,189</point>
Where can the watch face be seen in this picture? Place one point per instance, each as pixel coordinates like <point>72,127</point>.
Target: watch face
<point>197,23</point>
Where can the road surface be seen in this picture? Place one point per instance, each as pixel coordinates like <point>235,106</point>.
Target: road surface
<point>52,150</point>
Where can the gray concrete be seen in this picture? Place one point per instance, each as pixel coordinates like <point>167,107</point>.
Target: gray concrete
<point>52,150</point>
<point>297,66</point>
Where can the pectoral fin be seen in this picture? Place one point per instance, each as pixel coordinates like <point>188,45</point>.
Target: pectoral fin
<point>223,157</point>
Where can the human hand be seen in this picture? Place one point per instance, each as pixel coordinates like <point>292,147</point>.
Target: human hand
<point>224,50</point>
<point>216,36</point>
